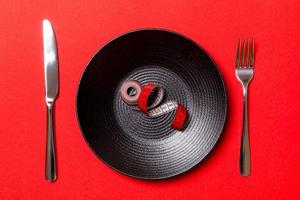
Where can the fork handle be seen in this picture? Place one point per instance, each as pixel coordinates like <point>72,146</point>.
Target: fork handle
<point>245,165</point>
<point>50,149</point>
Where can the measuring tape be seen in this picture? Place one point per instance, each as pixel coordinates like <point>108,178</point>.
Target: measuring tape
<point>134,94</point>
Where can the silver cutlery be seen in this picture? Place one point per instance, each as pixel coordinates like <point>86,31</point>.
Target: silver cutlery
<point>244,69</point>
<point>51,87</point>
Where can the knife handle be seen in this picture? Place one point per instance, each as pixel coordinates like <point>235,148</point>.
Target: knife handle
<point>50,149</point>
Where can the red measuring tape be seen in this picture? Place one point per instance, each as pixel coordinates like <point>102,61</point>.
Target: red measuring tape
<point>141,98</point>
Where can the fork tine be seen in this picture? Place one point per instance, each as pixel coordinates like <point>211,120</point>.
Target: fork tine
<point>246,63</point>
<point>237,59</point>
<point>252,53</point>
<point>242,55</point>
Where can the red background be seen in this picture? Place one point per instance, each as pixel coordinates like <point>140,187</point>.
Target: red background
<point>84,26</point>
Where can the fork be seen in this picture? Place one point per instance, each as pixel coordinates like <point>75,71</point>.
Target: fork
<point>244,64</point>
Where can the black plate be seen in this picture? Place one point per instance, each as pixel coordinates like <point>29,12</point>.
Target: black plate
<point>127,140</point>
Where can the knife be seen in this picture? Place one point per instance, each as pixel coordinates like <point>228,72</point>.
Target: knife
<point>51,90</point>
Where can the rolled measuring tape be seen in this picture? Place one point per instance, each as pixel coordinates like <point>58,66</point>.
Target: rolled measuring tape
<point>148,99</point>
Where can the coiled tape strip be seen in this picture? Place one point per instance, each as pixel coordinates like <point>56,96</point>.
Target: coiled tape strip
<point>141,96</point>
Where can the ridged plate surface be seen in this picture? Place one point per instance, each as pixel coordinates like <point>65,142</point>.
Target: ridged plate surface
<point>126,139</point>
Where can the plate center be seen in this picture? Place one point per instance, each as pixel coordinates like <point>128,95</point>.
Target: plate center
<point>137,124</point>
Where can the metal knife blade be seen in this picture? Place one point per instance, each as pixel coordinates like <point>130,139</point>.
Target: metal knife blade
<point>50,62</point>
<point>51,86</point>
